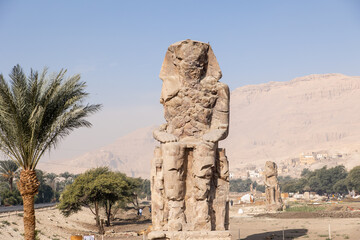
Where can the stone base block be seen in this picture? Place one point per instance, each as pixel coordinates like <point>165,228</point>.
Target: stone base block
<point>189,235</point>
<point>275,207</point>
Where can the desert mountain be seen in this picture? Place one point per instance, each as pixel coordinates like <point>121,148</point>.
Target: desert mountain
<point>275,121</point>
<point>130,154</point>
<point>278,121</point>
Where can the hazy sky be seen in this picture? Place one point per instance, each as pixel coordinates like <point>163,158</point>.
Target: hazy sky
<point>118,47</point>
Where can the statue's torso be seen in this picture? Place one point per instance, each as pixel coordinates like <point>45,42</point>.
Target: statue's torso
<point>189,113</point>
<point>272,181</point>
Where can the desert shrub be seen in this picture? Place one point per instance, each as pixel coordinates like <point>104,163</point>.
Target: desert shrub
<point>10,197</point>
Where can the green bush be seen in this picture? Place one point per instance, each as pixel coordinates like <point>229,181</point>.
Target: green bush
<point>10,198</point>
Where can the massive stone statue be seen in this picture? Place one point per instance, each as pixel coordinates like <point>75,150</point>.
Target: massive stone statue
<point>272,188</point>
<point>189,176</point>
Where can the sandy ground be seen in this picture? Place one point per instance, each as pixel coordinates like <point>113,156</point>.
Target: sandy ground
<point>297,228</point>
<point>343,219</point>
<point>52,225</point>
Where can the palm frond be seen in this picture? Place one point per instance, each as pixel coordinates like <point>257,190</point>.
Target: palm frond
<point>39,110</point>
<point>8,168</point>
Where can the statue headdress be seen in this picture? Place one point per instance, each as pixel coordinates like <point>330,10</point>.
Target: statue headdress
<point>170,76</point>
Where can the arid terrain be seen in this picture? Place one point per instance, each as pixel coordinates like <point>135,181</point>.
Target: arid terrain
<point>276,121</point>
<point>342,217</point>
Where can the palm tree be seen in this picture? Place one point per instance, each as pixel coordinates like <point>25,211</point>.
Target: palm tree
<point>8,170</point>
<point>35,113</point>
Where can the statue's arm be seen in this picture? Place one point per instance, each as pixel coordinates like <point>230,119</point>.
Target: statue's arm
<point>220,119</point>
<point>266,183</point>
<point>162,136</point>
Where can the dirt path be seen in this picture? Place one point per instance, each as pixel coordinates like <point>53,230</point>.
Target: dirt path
<point>258,228</point>
<point>53,226</point>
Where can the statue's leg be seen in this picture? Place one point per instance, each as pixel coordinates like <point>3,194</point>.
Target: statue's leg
<point>278,195</point>
<point>174,184</point>
<point>203,166</point>
<point>267,195</point>
<point>273,201</point>
<point>157,190</point>
<point>221,201</point>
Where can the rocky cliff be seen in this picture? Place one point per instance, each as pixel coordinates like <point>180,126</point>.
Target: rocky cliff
<point>273,121</point>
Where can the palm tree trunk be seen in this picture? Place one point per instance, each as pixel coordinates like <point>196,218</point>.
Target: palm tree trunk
<point>29,217</point>
<point>28,186</point>
<point>11,184</point>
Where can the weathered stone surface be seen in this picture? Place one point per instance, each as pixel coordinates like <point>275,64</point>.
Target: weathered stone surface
<point>190,235</point>
<point>272,188</point>
<point>190,174</point>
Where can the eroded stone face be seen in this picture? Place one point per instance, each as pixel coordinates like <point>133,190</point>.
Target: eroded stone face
<point>190,58</point>
<point>272,188</point>
<point>189,172</point>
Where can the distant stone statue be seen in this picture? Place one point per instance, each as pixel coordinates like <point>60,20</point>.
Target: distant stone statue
<point>190,174</point>
<point>272,188</point>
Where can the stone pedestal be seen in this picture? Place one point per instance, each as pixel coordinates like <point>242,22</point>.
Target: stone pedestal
<point>189,235</point>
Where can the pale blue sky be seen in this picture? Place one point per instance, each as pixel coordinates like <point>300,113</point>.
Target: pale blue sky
<point>118,47</point>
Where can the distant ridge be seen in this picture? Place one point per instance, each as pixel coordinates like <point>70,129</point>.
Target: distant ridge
<point>271,121</point>
<point>279,120</point>
<point>130,154</point>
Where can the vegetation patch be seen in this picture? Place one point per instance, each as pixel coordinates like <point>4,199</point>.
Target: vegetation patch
<point>323,235</point>
<point>304,208</point>
<point>5,223</point>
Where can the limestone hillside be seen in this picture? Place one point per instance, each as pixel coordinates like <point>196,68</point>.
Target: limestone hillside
<point>280,120</point>
<point>273,121</point>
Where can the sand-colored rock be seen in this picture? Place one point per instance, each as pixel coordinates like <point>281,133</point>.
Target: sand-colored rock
<point>190,235</point>
<point>123,155</point>
<point>276,120</point>
<point>189,175</point>
<point>281,120</point>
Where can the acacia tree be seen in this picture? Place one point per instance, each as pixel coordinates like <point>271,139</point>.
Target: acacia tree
<point>95,188</point>
<point>35,113</point>
<point>138,188</point>
<point>8,170</point>
<point>115,187</point>
<point>353,179</point>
